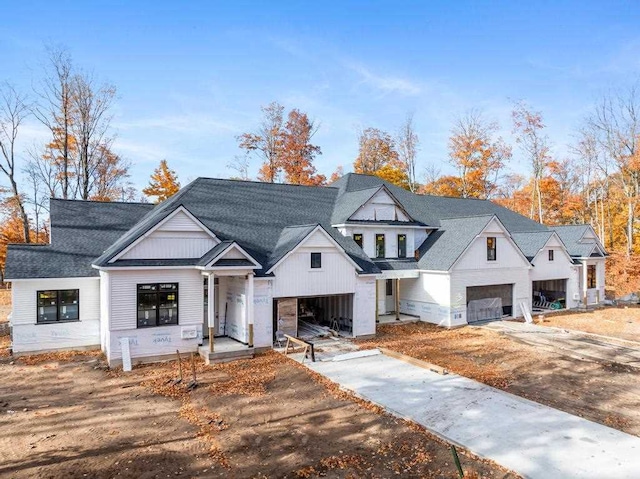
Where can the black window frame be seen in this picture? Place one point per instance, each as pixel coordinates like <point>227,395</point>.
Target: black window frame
<point>550,255</point>
<point>592,274</point>
<point>402,253</point>
<point>378,243</point>
<point>59,304</point>
<point>317,264</point>
<point>492,251</point>
<point>160,289</point>
<point>359,241</point>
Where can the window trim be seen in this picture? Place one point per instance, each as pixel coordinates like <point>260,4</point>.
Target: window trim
<point>317,255</point>
<point>58,305</point>
<point>404,255</point>
<point>493,249</point>
<point>384,246</point>
<point>361,242</point>
<point>157,309</point>
<point>551,257</point>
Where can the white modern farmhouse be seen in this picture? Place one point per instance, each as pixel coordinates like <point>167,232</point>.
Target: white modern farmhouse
<point>246,261</point>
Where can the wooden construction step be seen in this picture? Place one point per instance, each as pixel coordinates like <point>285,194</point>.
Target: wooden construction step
<point>225,356</point>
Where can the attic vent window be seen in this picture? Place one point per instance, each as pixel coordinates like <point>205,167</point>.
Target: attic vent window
<point>316,260</point>
<point>550,255</point>
<point>491,248</point>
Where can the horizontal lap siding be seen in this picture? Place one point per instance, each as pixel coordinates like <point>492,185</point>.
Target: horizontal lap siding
<point>185,245</point>
<point>30,336</point>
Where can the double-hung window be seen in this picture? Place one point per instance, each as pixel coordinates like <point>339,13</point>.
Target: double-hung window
<point>357,237</point>
<point>402,246</point>
<point>58,305</point>
<point>491,248</point>
<point>380,246</point>
<point>157,304</point>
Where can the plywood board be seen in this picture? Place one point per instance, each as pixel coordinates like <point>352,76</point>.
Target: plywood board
<point>288,316</point>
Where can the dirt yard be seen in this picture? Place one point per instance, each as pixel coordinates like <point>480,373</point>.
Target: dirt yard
<point>619,322</point>
<point>604,393</point>
<point>268,417</point>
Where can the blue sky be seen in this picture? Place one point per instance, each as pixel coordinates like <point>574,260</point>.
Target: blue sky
<point>193,75</point>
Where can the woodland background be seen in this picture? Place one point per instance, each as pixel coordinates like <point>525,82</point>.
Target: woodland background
<point>597,183</point>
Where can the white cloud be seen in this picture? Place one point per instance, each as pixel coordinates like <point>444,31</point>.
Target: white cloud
<point>385,83</point>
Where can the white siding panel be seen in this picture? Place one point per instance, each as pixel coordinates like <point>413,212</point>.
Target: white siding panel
<point>30,336</point>
<point>179,245</point>
<point>429,297</point>
<point>152,342</point>
<point>180,222</point>
<point>380,207</point>
<point>124,295</point>
<point>364,306</point>
<point>294,276</point>
<point>475,257</point>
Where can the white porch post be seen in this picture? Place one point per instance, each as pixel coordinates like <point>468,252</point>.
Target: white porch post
<point>584,282</point>
<point>249,307</point>
<point>211,308</point>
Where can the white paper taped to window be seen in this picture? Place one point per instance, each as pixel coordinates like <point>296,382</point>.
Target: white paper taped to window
<point>483,309</point>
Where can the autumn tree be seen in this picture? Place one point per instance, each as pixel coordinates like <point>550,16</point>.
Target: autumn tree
<point>528,127</point>
<point>378,156</point>
<point>266,142</point>
<point>298,153</point>
<point>337,174</point>
<point>408,143</point>
<point>477,154</point>
<point>163,184</point>
<point>13,110</point>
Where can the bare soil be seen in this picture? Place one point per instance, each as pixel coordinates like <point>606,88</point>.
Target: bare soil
<point>602,392</point>
<point>619,322</point>
<point>67,416</point>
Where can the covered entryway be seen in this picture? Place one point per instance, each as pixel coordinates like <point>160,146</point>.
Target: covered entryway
<point>489,302</point>
<point>549,294</point>
<point>311,316</point>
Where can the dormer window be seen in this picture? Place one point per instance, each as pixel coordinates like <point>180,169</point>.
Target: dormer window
<point>491,248</point>
<point>550,255</point>
<point>380,246</point>
<point>402,246</point>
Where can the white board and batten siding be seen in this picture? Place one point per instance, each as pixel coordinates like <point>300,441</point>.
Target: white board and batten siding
<point>295,277</point>
<point>561,267</point>
<point>29,336</point>
<point>380,207</point>
<point>160,340</point>
<point>178,237</point>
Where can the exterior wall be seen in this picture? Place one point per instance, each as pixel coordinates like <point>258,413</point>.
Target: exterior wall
<point>364,308</point>
<point>429,298</point>
<point>262,313</point>
<point>593,295</point>
<point>369,233</point>
<point>381,207</point>
<point>161,340</point>
<point>561,267</point>
<point>28,336</point>
<point>295,277</point>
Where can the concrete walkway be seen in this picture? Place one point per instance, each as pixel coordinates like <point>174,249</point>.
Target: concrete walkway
<point>572,343</point>
<point>533,440</point>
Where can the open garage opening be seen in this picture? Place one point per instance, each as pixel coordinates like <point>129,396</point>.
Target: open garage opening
<point>487,303</point>
<point>550,294</point>
<point>314,316</point>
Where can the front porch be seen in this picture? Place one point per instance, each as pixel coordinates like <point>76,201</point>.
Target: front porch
<point>225,349</point>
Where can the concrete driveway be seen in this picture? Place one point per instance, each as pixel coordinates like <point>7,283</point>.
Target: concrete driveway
<point>533,440</point>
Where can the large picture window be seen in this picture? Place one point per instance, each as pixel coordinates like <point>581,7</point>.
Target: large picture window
<point>58,305</point>
<point>402,246</point>
<point>157,304</point>
<point>380,246</point>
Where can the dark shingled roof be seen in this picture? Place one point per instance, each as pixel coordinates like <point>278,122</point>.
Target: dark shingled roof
<point>265,219</point>
<point>571,236</point>
<point>80,232</point>
<point>532,242</point>
<point>396,264</point>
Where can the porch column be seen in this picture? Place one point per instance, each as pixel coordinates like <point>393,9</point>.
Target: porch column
<point>211,308</point>
<point>584,282</point>
<point>398,299</point>
<point>377,308</point>
<point>249,307</point>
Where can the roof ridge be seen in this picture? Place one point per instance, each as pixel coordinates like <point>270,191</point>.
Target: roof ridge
<point>78,200</point>
<point>261,182</point>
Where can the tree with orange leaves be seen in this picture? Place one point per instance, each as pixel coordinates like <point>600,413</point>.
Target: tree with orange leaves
<point>298,153</point>
<point>378,156</point>
<point>164,183</point>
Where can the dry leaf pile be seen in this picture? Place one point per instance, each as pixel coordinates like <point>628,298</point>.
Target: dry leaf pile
<point>248,377</point>
<point>465,351</point>
<point>59,356</point>
<point>5,345</point>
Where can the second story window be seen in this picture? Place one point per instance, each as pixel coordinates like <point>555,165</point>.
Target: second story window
<point>357,237</point>
<point>316,260</point>
<point>491,248</point>
<point>380,246</point>
<point>550,255</point>
<point>402,246</point>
